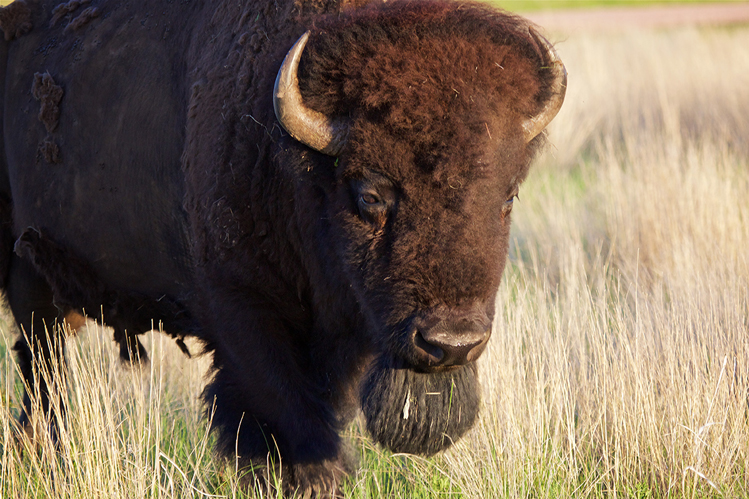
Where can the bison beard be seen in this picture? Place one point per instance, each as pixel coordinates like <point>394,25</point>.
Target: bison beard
<point>419,412</point>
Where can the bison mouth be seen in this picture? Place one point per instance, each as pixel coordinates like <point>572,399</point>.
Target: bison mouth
<point>419,412</point>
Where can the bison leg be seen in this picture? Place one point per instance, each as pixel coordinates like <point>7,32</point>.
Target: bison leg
<point>41,344</point>
<point>131,349</point>
<point>268,400</point>
<point>305,454</point>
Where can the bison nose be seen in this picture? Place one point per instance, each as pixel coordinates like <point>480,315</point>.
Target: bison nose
<point>446,345</point>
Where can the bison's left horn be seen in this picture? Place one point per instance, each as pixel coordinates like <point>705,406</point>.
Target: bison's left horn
<point>306,125</point>
<point>535,125</point>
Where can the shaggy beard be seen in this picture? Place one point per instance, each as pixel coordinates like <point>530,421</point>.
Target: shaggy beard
<point>419,413</point>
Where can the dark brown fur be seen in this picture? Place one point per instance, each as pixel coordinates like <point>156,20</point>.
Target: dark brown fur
<point>181,199</point>
<point>15,20</point>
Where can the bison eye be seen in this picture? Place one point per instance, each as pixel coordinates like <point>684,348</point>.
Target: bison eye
<point>507,206</point>
<point>369,199</point>
<point>372,208</point>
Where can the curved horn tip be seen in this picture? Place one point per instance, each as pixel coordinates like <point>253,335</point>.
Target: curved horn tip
<point>306,125</point>
<point>536,124</point>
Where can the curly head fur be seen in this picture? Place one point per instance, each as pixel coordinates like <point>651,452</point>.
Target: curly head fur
<point>405,63</point>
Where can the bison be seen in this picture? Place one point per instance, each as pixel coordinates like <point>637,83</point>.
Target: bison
<point>333,231</point>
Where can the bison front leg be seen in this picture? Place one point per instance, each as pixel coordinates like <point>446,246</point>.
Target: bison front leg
<point>269,403</point>
<point>40,347</point>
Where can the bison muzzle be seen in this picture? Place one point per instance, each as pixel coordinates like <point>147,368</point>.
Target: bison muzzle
<point>319,191</point>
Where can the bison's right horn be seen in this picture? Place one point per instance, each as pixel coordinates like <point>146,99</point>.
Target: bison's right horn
<point>306,125</point>
<point>536,124</point>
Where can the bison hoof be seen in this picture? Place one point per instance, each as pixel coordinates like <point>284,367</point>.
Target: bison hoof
<point>315,480</point>
<point>320,479</point>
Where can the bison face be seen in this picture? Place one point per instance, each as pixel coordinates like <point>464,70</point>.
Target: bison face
<point>423,239</point>
<point>422,232</point>
<point>438,131</point>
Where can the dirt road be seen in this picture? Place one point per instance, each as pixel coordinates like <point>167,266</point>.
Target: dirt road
<point>656,16</point>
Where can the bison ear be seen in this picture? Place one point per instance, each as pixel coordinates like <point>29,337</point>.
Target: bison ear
<point>306,125</point>
<point>536,124</point>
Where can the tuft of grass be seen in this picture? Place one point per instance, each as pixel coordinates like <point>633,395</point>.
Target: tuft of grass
<point>619,364</point>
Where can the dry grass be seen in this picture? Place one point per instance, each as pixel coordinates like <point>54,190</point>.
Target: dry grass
<point>619,363</point>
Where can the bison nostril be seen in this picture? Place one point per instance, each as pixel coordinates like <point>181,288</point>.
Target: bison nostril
<point>449,348</point>
<point>439,347</point>
<point>476,351</point>
<point>432,354</point>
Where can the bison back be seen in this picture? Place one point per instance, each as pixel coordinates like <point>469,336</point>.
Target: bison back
<point>94,119</point>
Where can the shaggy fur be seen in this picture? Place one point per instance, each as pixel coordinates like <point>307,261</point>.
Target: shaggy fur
<point>419,413</point>
<point>480,59</point>
<point>312,281</point>
<point>15,20</point>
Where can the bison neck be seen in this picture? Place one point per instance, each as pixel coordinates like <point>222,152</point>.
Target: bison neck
<point>256,236</point>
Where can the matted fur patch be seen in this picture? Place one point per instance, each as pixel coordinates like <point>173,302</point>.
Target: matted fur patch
<point>64,9</point>
<point>49,94</point>
<point>50,151</point>
<point>82,19</point>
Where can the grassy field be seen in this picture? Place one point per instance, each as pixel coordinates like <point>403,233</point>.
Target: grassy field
<point>619,365</point>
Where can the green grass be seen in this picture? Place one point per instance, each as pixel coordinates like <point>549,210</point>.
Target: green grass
<point>618,365</point>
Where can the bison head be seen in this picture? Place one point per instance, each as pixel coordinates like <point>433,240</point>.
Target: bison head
<point>433,113</point>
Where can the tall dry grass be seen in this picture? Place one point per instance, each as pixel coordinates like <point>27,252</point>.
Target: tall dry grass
<point>619,365</point>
